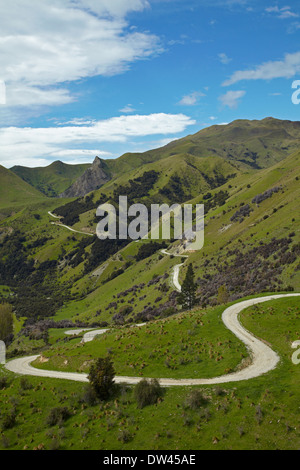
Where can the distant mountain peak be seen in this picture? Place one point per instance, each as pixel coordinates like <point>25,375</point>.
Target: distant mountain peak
<point>92,179</point>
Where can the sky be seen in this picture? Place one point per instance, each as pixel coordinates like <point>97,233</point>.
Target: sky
<point>86,78</point>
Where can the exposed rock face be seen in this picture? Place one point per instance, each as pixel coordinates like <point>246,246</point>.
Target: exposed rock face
<point>93,178</point>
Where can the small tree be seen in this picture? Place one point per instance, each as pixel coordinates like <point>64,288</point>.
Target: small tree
<point>223,295</point>
<point>6,322</point>
<point>101,377</point>
<point>187,297</point>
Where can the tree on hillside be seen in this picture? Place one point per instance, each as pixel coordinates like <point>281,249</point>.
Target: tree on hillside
<point>101,377</point>
<point>187,297</point>
<point>223,295</point>
<point>6,322</point>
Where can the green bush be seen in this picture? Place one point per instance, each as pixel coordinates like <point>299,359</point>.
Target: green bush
<point>195,400</point>
<point>25,384</point>
<point>147,392</point>
<point>3,383</point>
<point>58,416</point>
<point>9,420</point>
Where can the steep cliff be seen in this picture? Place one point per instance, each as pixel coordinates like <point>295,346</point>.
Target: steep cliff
<point>93,178</point>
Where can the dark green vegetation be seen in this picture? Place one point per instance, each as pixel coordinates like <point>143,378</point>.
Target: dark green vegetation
<point>187,297</point>
<point>6,323</point>
<point>262,413</point>
<point>101,377</point>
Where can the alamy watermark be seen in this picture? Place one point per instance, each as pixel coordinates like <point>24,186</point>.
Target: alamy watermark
<point>137,222</point>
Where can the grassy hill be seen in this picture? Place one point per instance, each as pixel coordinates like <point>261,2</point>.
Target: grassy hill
<point>53,179</point>
<point>251,246</point>
<point>251,239</point>
<point>260,414</point>
<point>58,279</point>
<point>243,144</point>
<point>14,192</point>
<point>248,144</point>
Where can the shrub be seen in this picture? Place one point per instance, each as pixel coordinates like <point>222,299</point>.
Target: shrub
<point>147,392</point>
<point>25,384</point>
<point>125,436</point>
<point>195,400</point>
<point>9,420</point>
<point>89,396</point>
<point>3,382</point>
<point>58,416</point>
<point>101,377</point>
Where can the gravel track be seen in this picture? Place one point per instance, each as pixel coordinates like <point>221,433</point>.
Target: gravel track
<point>264,359</point>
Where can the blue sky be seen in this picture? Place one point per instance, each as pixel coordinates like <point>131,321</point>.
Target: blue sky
<point>105,77</point>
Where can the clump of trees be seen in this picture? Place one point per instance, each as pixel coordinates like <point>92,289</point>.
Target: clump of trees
<point>148,249</point>
<point>240,214</point>
<point>266,195</point>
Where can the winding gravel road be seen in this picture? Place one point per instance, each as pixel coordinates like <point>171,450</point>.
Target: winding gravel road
<point>58,224</point>
<point>264,359</point>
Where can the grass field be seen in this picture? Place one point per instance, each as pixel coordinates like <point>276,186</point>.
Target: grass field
<point>260,414</point>
<point>188,345</point>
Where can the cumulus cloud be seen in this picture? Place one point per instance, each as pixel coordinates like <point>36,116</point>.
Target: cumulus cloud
<point>31,146</point>
<point>285,68</point>
<point>231,98</point>
<point>191,99</point>
<point>64,41</point>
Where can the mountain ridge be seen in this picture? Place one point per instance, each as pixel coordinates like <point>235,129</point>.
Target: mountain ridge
<point>52,179</point>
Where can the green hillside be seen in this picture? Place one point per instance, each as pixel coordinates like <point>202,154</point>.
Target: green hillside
<point>14,192</point>
<point>259,414</point>
<point>59,276</point>
<point>249,144</point>
<point>262,240</point>
<point>250,247</point>
<point>53,179</point>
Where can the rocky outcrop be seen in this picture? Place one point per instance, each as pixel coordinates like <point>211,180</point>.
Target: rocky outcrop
<point>93,178</point>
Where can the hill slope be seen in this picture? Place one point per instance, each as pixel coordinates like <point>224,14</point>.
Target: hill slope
<point>250,144</point>
<point>53,179</point>
<point>245,144</point>
<point>15,192</point>
<point>251,246</point>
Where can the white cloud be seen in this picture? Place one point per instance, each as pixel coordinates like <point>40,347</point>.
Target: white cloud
<point>76,122</point>
<point>231,98</point>
<point>192,99</point>
<point>25,95</point>
<point>66,40</point>
<point>33,145</point>
<point>224,59</point>
<point>282,13</point>
<point>286,68</point>
<point>127,109</point>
